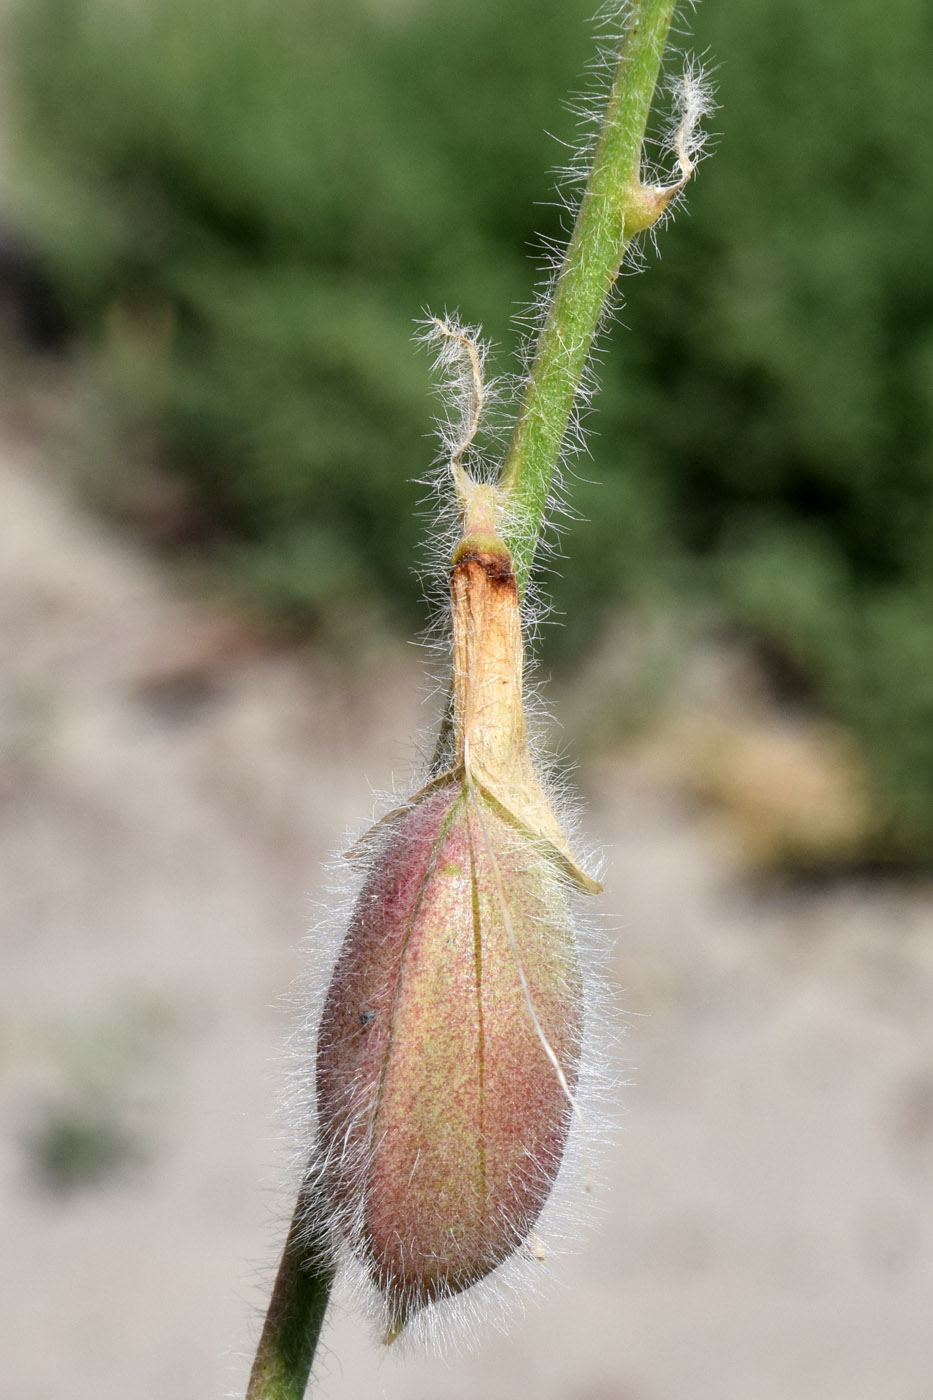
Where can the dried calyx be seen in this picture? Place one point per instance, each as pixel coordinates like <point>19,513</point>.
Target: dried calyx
<point>450,1041</point>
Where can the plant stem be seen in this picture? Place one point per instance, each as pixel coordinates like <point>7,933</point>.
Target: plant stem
<point>611,212</point>
<point>296,1312</point>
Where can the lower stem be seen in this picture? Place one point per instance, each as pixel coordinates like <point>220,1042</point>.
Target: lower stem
<point>296,1312</point>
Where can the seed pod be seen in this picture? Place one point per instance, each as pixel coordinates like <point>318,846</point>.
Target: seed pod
<point>450,1040</point>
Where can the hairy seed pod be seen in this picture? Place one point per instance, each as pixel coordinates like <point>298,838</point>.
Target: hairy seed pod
<point>450,1039</point>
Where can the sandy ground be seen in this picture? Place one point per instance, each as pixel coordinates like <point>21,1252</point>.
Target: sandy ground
<point>168,791</point>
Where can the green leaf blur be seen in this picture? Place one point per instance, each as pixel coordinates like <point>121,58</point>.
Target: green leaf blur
<point>284,184</point>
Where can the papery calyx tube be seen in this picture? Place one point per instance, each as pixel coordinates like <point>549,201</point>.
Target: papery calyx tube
<point>450,1042</point>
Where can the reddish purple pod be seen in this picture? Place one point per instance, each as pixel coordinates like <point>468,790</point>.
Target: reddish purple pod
<point>442,1117</point>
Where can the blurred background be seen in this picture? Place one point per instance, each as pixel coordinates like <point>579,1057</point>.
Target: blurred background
<point>218,220</point>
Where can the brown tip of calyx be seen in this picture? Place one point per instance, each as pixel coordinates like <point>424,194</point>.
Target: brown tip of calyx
<point>486,550</point>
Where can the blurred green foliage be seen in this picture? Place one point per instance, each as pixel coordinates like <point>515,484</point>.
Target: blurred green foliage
<point>95,1126</point>
<point>249,200</point>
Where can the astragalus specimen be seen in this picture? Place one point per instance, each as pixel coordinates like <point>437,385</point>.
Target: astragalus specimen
<point>451,1036</point>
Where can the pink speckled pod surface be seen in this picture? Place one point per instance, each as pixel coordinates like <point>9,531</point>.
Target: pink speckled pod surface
<point>441,1118</point>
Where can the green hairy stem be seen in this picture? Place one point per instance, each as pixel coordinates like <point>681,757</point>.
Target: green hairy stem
<point>296,1313</point>
<point>611,212</point>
